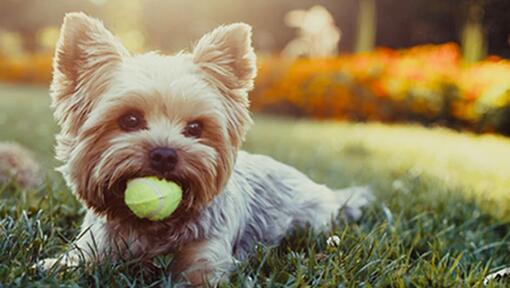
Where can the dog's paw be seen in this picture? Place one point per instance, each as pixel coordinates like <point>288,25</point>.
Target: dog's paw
<point>49,264</point>
<point>499,276</point>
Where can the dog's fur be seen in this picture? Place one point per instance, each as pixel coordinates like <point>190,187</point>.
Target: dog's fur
<point>232,199</point>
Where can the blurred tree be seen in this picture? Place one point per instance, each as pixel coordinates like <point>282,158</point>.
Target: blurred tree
<point>480,26</point>
<point>473,34</point>
<point>125,19</point>
<point>408,23</point>
<point>27,17</point>
<point>173,24</point>
<point>497,25</point>
<point>366,30</point>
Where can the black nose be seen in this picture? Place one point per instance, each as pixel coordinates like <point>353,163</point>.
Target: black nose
<point>163,159</point>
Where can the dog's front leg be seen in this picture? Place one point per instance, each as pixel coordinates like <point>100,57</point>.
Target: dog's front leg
<point>91,244</point>
<point>201,262</point>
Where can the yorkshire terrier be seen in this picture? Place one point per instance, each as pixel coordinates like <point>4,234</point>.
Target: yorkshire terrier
<point>181,118</point>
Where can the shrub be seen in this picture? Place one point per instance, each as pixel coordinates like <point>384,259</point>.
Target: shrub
<point>428,84</point>
<point>26,68</point>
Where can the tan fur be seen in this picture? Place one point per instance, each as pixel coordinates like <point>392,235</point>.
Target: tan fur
<point>188,257</point>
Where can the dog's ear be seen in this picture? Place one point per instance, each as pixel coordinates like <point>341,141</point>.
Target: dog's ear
<point>226,54</point>
<point>86,52</point>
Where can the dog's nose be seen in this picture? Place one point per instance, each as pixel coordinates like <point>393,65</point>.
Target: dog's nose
<point>163,159</point>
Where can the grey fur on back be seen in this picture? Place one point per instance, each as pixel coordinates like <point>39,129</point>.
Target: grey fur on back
<point>269,198</point>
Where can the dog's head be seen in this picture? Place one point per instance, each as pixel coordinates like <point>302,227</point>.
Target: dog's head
<point>180,117</point>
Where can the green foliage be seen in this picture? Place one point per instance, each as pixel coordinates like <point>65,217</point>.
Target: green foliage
<point>432,225</point>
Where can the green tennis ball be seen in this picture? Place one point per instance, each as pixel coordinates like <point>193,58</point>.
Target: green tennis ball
<point>152,198</point>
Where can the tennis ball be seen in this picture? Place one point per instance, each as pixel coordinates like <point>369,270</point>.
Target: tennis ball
<point>152,198</point>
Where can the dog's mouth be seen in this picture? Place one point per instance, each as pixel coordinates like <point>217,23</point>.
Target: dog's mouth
<point>121,185</point>
<point>116,202</point>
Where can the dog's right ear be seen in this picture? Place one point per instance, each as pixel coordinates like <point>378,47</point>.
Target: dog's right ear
<point>85,55</point>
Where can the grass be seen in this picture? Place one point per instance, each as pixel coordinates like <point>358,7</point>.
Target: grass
<point>440,219</point>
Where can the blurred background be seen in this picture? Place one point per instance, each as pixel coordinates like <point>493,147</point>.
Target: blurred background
<point>433,62</point>
<point>410,97</point>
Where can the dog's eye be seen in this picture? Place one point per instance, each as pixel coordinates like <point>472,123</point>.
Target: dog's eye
<point>131,121</point>
<point>193,129</point>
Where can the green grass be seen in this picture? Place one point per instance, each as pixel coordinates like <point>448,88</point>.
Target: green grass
<point>440,219</point>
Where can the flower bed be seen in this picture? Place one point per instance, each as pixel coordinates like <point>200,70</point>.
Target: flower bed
<point>34,68</point>
<point>429,84</point>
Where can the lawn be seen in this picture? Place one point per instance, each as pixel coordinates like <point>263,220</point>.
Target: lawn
<point>440,219</point>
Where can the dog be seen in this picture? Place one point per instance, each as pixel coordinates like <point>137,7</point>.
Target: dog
<point>181,118</point>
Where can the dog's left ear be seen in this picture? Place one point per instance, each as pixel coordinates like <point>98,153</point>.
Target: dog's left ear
<point>85,56</point>
<point>226,54</point>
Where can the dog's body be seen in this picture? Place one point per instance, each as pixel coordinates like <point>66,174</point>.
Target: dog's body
<point>181,118</point>
<point>261,202</point>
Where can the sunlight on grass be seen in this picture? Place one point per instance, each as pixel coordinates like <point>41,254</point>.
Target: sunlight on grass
<point>476,163</point>
<point>25,117</point>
